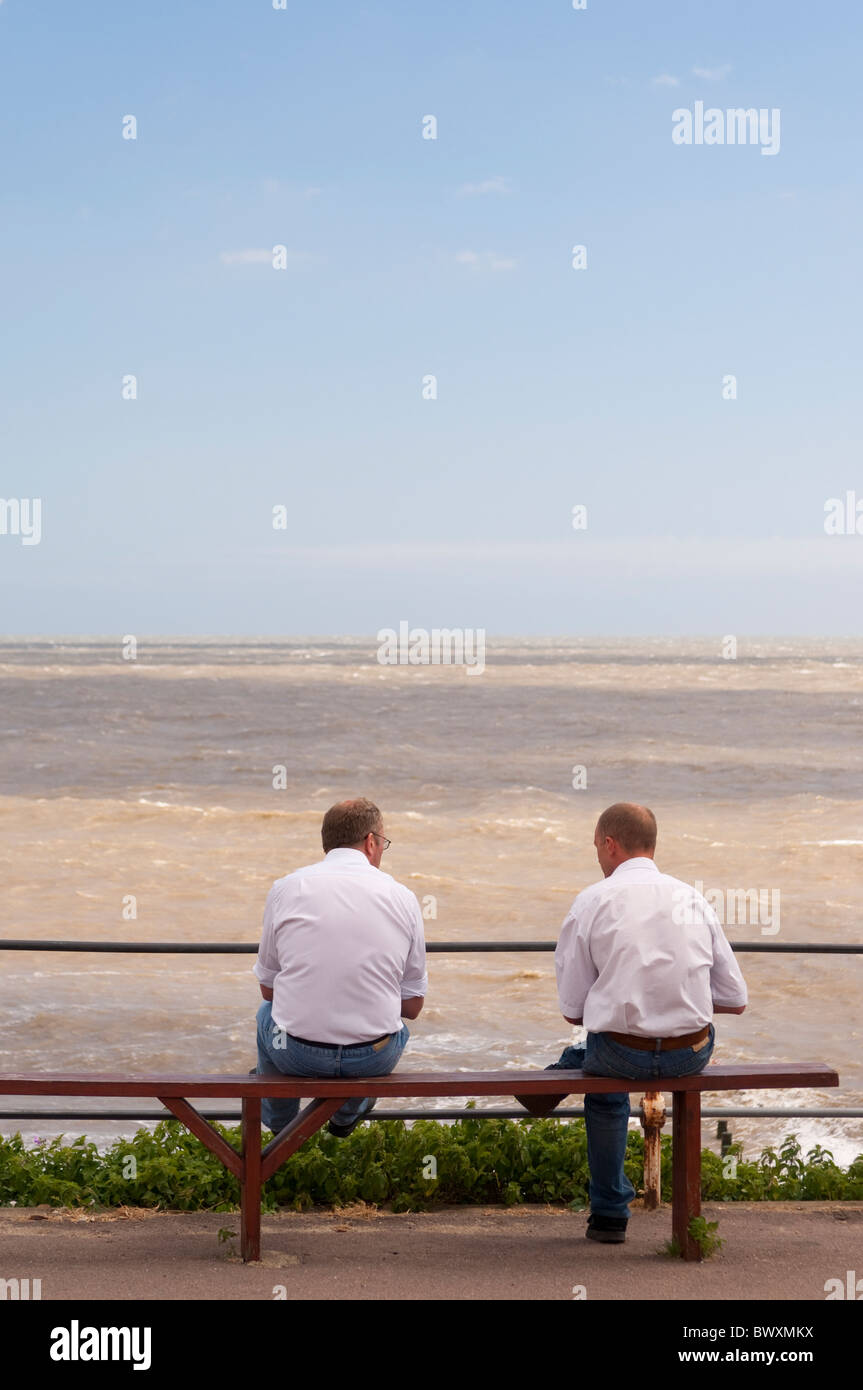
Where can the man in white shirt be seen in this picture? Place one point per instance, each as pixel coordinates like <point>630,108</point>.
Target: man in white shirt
<point>340,964</point>
<point>643,963</point>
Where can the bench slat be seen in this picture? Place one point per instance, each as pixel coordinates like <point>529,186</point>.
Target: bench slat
<point>746,1076</point>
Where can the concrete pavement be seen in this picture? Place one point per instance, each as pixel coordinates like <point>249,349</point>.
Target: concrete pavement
<point>774,1250</point>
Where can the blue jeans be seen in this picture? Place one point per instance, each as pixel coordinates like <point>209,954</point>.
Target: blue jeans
<point>281,1055</point>
<point>606,1116</point>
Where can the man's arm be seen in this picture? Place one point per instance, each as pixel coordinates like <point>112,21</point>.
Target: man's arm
<point>414,980</point>
<point>573,966</point>
<point>726,981</point>
<point>266,967</point>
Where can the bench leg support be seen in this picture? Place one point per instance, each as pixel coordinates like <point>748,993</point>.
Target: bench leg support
<point>686,1159</point>
<point>203,1130</point>
<point>310,1119</point>
<point>258,1164</point>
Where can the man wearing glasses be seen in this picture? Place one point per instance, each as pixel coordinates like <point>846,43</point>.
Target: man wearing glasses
<point>340,964</point>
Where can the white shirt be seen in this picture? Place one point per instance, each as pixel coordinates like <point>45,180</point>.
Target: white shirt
<point>641,952</point>
<point>342,945</point>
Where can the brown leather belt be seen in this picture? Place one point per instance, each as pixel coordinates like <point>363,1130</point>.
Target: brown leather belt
<point>661,1044</point>
<point>373,1042</point>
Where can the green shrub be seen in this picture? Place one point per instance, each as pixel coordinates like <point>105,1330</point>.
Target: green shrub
<point>477,1161</point>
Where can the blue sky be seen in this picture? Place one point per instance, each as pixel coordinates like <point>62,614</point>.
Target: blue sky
<point>406,257</point>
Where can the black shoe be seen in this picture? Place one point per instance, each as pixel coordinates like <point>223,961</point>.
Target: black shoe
<point>342,1131</point>
<point>608,1230</point>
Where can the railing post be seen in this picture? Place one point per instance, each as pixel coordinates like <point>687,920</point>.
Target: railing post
<point>652,1120</point>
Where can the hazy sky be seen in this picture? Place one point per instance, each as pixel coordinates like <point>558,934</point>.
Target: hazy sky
<point>409,257</point>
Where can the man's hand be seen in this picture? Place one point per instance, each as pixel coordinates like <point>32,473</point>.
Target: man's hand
<point>412,1008</point>
<point>267,992</point>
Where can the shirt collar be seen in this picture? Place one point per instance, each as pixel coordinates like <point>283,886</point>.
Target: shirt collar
<point>346,854</point>
<point>639,861</point>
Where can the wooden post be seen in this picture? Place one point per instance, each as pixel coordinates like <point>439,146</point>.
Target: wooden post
<point>250,1182</point>
<point>686,1160</point>
<point>652,1120</point>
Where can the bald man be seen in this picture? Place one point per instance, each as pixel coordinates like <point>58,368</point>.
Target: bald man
<point>643,963</point>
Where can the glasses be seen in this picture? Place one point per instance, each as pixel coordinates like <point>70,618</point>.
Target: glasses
<point>387,842</point>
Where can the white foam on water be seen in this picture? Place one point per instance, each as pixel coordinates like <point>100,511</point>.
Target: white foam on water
<point>824,843</point>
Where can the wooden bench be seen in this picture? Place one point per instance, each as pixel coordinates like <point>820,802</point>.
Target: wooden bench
<point>253,1165</point>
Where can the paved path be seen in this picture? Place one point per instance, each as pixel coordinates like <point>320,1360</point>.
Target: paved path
<point>774,1250</point>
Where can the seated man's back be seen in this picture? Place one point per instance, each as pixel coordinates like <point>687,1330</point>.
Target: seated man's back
<point>342,945</point>
<point>645,954</point>
<point>340,964</point>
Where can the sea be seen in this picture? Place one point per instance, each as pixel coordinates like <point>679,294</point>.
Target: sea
<point>153,791</point>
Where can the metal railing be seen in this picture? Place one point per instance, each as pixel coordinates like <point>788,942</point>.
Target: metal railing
<point>223,948</point>
<point>242,948</point>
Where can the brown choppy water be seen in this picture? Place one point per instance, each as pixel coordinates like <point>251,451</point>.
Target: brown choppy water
<point>154,778</point>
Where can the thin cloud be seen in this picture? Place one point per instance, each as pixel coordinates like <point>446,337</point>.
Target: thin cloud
<point>485,260</point>
<point>636,557</point>
<point>713,74</point>
<point>255,255</point>
<point>262,255</point>
<point>498,184</point>
<point>277,186</point>
<point>665,80</point>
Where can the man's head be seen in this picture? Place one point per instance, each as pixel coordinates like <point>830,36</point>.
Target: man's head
<point>624,831</point>
<point>356,824</point>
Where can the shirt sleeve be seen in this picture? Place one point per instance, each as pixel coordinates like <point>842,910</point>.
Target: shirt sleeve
<point>575,970</point>
<point>415,981</point>
<point>267,967</point>
<point>727,985</point>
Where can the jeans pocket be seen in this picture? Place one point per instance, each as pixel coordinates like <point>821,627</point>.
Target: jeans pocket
<point>692,1062</point>
<point>609,1058</point>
